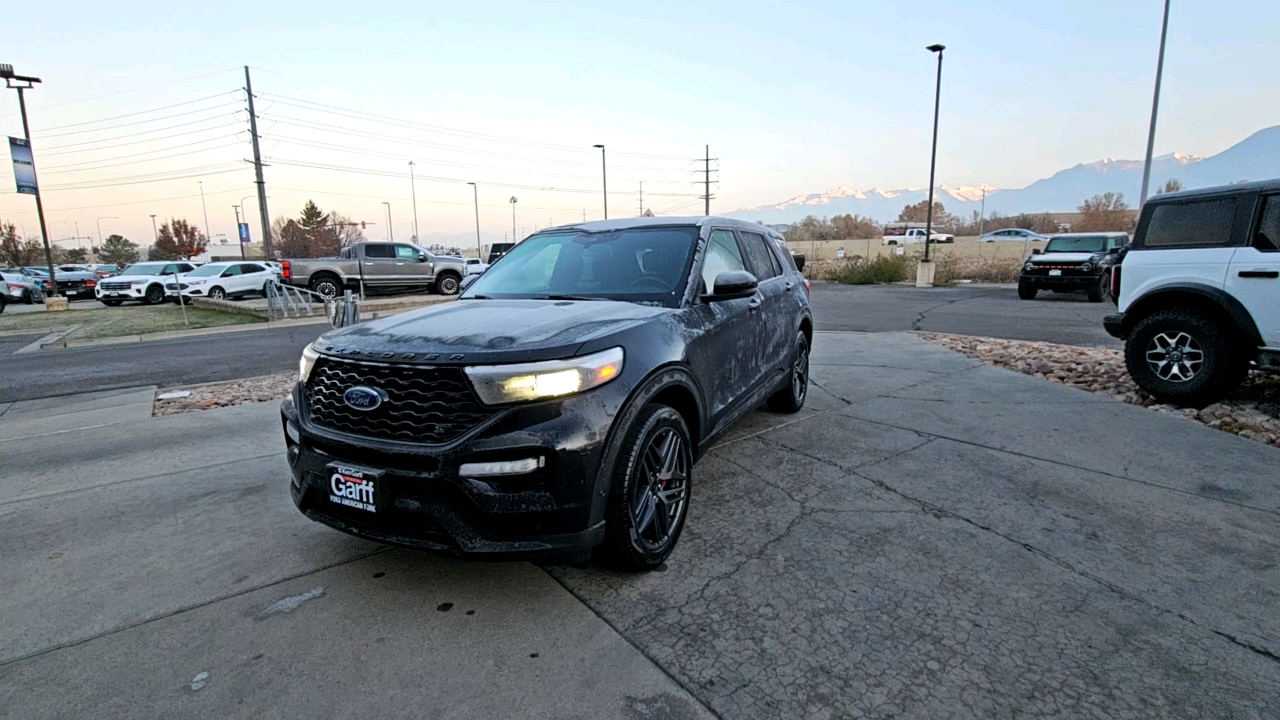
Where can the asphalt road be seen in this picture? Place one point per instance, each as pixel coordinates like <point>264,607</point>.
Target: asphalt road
<point>186,361</point>
<point>993,311</point>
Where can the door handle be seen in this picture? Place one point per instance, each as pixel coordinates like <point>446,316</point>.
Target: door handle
<point>1269,274</point>
<point>399,263</point>
<point>790,285</point>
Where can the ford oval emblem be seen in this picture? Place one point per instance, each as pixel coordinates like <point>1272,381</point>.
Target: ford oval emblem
<point>364,398</point>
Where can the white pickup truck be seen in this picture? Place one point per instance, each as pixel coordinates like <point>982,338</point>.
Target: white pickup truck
<point>909,233</point>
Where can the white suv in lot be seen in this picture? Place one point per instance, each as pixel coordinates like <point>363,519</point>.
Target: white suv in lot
<point>222,280</point>
<point>1199,292</point>
<point>143,281</point>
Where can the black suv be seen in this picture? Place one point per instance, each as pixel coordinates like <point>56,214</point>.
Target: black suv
<point>561,403</point>
<point>1073,262</point>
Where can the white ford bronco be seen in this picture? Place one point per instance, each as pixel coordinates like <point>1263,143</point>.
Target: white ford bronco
<point>1199,292</point>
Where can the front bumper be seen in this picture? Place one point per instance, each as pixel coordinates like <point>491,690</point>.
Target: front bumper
<point>555,513</point>
<point>1060,282</point>
<point>133,292</point>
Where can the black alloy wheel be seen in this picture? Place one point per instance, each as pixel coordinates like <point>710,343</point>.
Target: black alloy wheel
<point>791,398</point>
<point>29,298</point>
<point>1184,357</point>
<point>154,295</point>
<point>650,491</point>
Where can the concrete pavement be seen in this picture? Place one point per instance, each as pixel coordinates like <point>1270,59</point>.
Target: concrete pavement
<point>929,538</point>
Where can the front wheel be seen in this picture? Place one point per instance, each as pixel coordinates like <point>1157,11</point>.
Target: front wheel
<point>447,284</point>
<point>791,398</point>
<point>326,286</point>
<point>1098,292</point>
<point>649,493</point>
<point>1183,357</point>
<point>29,299</point>
<point>153,296</point>
<point>1027,291</point>
<point>217,293</point>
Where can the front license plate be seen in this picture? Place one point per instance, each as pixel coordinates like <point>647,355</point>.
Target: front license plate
<point>354,487</point>
<point>1055,273</point>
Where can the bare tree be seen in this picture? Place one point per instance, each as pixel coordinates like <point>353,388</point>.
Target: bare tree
<point>1105,213</point>
<point>1170,185</point>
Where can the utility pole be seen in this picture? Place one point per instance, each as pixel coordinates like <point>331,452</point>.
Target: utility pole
<point>6,71</point>
<point>475,194</point>
<point>205,207</point>
<point>413,192</point>
<point>155,234</point>
<point>1155,107</point>
<point>707,179</point>
<point>641,198</point>
<point>604,177</point>
<point>257,169</point>
<point>239,241</point>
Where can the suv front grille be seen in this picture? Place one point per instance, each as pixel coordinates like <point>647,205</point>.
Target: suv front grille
<point>115,285</point>
<point>431,405</point>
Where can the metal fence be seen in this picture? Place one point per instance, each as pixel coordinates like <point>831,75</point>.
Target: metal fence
<point>286,301</point>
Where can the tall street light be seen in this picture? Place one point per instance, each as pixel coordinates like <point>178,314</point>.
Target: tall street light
<point>925,276</point>
<point>513,219</point>
<point>155,234</point>
<point>1155,107</point>
<point>413,192</point>
<point>99,223</point>
<point>391,233</point>
<point>26,83</point>
<point>604,178</point>
<point>475,193</point>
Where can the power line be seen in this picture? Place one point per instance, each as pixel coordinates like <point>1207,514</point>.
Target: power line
<point>140,112</point>
<point>144,87</point>
<point>183,174</point>
<point>107,141</point>
<point>56,171</point>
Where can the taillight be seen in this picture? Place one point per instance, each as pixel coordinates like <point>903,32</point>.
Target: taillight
<point>807,287</point>
<point>90,283</point>
<point>1115,283</point>
<point>284,270</point>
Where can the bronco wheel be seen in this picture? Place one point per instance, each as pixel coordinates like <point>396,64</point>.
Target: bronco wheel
<point>1098,292</point>
<point>1027,291</point>
<point>791,398</point>
<point>326,286</point>
<point>154,295</point>
<point>1183,357</point>
<point>447,284</point>
<point>649,496</point>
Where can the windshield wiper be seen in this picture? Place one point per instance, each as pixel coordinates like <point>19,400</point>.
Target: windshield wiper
<point>570,297</point>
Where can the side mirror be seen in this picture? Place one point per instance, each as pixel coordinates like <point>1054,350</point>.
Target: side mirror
<point>799,261</point>
<point>732,285</point>
<point>467,282</point>
<point>1036,251</point>
<point>1113,251</point>
<point>423,257</point>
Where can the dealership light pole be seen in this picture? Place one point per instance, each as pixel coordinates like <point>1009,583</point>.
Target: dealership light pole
<point>475,193</point>
<point>155,234</point>
<point>604,179</point>
<point>924,275</point>
<point>413,192</point>
<point>26,83</point>
<point>513,219</point>
<point>1155,107</point>
<point>391,233</point>
<point>99,223</point>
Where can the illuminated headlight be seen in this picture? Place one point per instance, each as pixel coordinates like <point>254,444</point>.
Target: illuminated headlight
<point>504,467</point>
<point>308,361</point>
<point>1086,267</point>
<point>500,384</point>
<point>1029,267</point>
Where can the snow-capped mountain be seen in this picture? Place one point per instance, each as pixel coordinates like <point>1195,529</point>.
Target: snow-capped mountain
<point>1254,158</point>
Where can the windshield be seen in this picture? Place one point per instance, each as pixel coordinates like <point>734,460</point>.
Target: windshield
<point>206,271</point>
<point>1085,243</point>
<point>646,265</point>
<point>143,269</point>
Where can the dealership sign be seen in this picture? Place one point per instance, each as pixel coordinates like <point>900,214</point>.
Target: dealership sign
<point>24,166</point>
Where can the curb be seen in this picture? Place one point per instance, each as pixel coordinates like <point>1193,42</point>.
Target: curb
<point>178,334</point>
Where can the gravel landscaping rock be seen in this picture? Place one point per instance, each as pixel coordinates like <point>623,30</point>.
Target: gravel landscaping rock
<point>1252,411</point>
<point>266,388</point>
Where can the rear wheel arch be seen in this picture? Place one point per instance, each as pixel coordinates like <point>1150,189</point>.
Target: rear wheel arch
<point>806,327</point>
<point>1208,300</point>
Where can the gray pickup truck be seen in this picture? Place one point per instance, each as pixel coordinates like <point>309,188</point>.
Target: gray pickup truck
<point>380,266</point>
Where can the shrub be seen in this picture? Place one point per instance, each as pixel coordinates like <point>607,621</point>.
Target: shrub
<point>983,270</point>
<point>861,271</point>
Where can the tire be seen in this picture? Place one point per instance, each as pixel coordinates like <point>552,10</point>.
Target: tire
<point>631,541</point>
<point>1027,291</point>
<point>112,303</point>
<point>1097,294</point>
<point>29,299</point>
<point>327,286</point>
<point>3,302</point>
<point>791,398</point>
<point>447,283</point>
<point>217,293</point>
<point>1206,362</point>
<point>153,296</point>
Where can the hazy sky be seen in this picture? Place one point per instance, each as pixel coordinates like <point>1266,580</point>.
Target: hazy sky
<point>792,98</point>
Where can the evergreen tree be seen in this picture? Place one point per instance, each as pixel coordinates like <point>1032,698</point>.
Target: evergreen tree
<point>117,250</point>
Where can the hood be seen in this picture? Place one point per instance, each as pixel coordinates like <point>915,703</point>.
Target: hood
<point>487,331</point>
<point>78,275</point>
<point>1063,257</point>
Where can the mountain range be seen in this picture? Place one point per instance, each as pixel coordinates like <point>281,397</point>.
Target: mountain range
<point>1257,157</point>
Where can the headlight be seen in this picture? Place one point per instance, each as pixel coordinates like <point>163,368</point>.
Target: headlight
<point>200,281</point>
<point>500,384</point>
<point>1029,267</point>
<point>1086,267</point>
<point>308,361</point>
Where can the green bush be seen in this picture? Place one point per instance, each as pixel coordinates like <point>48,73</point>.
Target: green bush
<point>883,269</point>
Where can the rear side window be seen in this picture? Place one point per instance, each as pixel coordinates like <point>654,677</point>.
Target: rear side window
<point>379,251</point>
<point>1203,223</point>
<point>722,256</point>
<point>1267,236</point>
<point>763,264</point>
